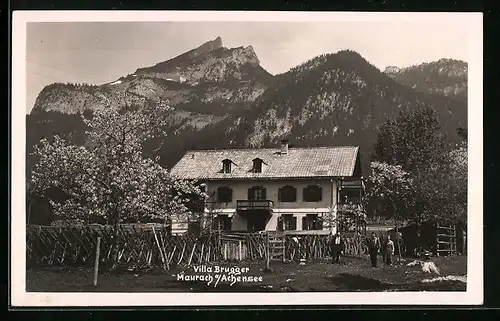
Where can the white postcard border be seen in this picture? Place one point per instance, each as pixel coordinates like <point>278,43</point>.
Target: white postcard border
<point>19,296</point>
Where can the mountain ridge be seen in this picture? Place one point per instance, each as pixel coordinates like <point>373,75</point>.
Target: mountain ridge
<point>334,99</point>
<point>223,98</point>
<point>208,74</point>
<point>445,76</point>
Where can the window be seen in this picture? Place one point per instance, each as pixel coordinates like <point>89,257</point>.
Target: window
<point>224,194</point>
<point>287,194</point>
<point>312,222</point>
<point>226,166</point>
<point>257,165</point>
<point>222,222</point>
<point>312,193</point>
<point>257,193</point>
<point>287,222</point>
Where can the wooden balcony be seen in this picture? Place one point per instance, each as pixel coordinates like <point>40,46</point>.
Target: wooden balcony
<point>251,205</point>
<point>350,208</point>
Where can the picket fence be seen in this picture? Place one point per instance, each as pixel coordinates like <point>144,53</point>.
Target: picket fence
<point>145,246</point>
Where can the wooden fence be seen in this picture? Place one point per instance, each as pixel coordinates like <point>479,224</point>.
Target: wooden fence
<point>141,247</point>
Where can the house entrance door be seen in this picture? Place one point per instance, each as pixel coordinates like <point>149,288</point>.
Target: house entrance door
<point>256,222</point>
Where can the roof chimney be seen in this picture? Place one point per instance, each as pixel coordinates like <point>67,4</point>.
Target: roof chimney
<point>284,146</point>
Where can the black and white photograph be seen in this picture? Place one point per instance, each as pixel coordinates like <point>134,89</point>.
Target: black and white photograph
<point>246,158</point>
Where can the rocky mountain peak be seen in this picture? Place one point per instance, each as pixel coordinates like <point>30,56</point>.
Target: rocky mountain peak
<point>208,74</point>
<point>207,47</point>
<point>391,69</point>
<point>242,55</point>
<point>217,43</point>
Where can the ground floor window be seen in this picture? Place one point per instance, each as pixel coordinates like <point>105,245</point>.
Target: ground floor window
<point>312,222</point>
<point>194,227</point>
<point>287,222</point>
<point>222,222</point>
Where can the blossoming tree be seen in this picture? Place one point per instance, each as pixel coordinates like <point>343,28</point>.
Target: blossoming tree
<point>392,186</point>
<point>111,176</point>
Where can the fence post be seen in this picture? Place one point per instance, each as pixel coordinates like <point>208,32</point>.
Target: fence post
<point>96,265</point>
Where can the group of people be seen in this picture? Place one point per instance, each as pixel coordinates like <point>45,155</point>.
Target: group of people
<point>386,248</point>
<point>375,246</point>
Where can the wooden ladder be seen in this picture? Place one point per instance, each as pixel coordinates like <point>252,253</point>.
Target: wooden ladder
<point>276,246</point>
<point>446,240</point>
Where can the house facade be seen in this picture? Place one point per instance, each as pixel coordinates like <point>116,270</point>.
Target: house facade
<point>296,190</point>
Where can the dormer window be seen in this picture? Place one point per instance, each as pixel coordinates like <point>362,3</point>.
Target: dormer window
<point>257,165</point>
<point>226,166</point>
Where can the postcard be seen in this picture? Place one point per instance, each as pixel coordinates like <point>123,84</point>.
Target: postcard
<point>246,158</point>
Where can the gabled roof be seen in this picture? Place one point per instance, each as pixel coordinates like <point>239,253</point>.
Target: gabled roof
<point>311,162</point>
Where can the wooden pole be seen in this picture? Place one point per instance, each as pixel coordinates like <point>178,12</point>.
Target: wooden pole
<point>397,235</point>
<point>29,213</point>
<point>192,252</point>
<point>284,250</point>
<point>454,239</point>
<point>267,252</point>
<point>182,254</point>
<point>159,248</point>
<point>96,264</point>
<point>172,255</point>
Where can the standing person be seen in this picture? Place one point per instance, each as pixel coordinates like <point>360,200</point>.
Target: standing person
<point>336,247</point>
<point>383,245</point>
<point>388,250</point>
<point>373,249</point>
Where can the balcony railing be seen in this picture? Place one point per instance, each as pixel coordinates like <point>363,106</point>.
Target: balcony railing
<point>246,205</point>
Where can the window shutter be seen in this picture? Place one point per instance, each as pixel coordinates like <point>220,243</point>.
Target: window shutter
<point>230,195</point>
<point>280,223</point>
<point>250,194</point>
<point>279,194</point>
<point>229,223</point>
<point>264,193</point>
<point>320,196</point>
<point>294,223</point>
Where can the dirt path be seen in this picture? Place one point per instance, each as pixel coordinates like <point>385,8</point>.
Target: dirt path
<point>352,274</point>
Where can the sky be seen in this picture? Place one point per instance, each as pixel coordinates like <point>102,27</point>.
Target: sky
<point>101,52</point>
